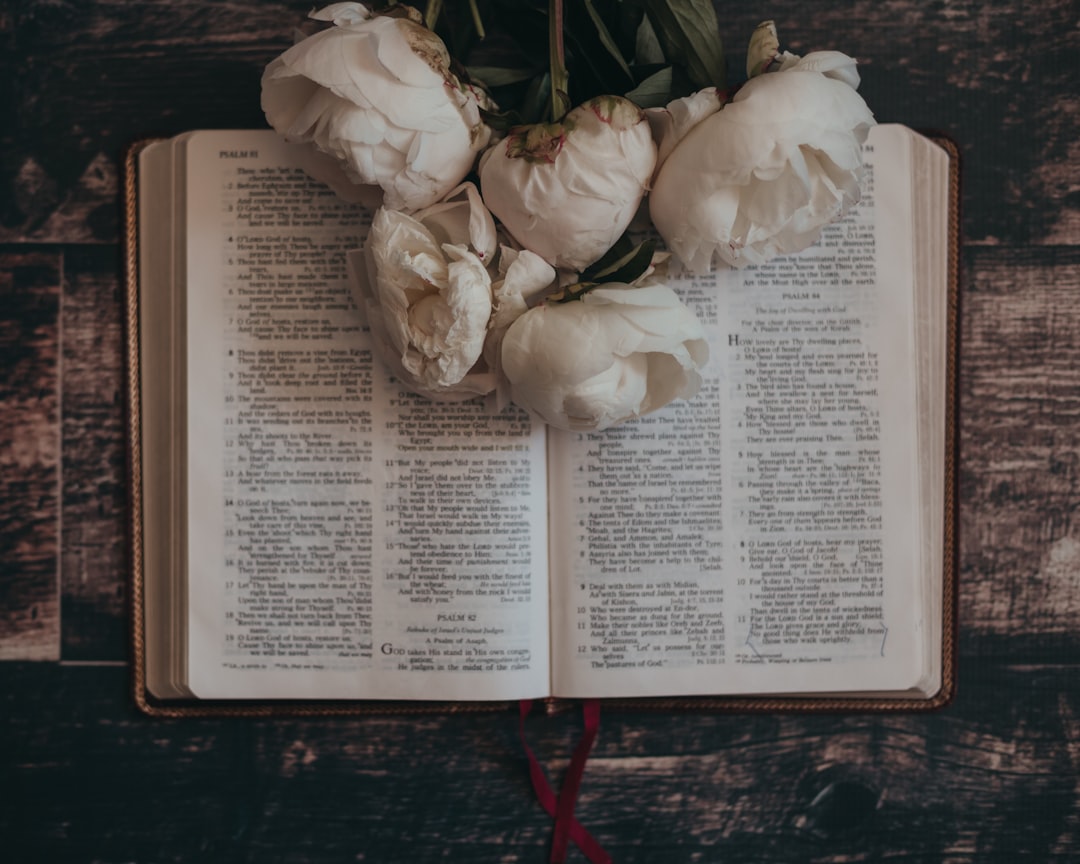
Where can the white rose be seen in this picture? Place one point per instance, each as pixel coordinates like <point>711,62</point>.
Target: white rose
<point>425,292</point>
<point>567,190</point>
<point>377,94</point>
<point>616,354</point>
<point>765,174</point>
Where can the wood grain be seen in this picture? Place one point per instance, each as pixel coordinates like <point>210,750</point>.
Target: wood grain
<point>1004,84</point>
<point>1020,465</point>
<point>29,455</point>
<point>161,70</point>
<point>94,565</point>
<point>993,779</point>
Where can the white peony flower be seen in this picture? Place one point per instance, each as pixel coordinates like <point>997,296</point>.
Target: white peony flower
<point>617,353</point>
<point>831,64</point>
<point>671,123</point>
<point>764,55</point>
<point>567,190</point>
<point>765,174</point>
<point>525,277</point>
<point>377,94</point>
<point>425,291</point>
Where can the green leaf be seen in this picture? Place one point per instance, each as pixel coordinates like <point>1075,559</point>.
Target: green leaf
<point>623,262</point>
<point>625,268</point>
<point>764,46</point>
<point>623,22</point>
<point>516,35</point>
<point>496,76</point>
<point>592,71</point>
<point>606,38</point>
<point>534,105</point>
<point>622,248</point>
<point>630,267</point>
<point>647,46</point>
<point>597,65</point>
<point>431,14</point>
<point>654,91</point>
<point>478,22</point>
<point>569,294</point>
<point>501,121</point>
<point>690,33</point>
<point>560,78</point>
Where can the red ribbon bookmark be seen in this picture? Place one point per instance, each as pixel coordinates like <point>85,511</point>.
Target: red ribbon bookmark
<point>561,809</point>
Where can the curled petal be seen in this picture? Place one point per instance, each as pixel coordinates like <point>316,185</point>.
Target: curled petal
<point>462,219</point>
<point>525,277</point>
<point>831,64</point>
<point>342,14</point>
<point>427,305</point>
<point>670,124</point>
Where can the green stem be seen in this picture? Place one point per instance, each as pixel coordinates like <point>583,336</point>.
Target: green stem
<point>432,12</point>
<point>568,295</point>
<point>560,78</point>
<point>477,22</point>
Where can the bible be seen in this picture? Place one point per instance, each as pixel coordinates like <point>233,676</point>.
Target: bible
<point>308,536</point>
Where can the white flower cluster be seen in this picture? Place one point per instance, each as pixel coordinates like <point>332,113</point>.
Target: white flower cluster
<point>460,305</point>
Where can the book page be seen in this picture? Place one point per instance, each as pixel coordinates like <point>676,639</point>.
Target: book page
<point>764,536</point>
<point>346,538</point>
<point>931,212</point>
<point>160,370</point>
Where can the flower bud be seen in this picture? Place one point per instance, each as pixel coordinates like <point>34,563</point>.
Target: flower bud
<point>567,190</point>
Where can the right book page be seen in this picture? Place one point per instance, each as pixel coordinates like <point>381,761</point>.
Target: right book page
<point>780,533</point>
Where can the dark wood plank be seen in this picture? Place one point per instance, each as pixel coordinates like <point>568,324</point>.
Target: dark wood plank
<point>994,778</point>
<point>29,455</point>
<point>1004,84</point>
<point>94,566</point>
<point>84,87</point>
<point>1020,453</point>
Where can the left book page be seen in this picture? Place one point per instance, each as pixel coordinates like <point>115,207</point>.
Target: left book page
<point>344,539</point>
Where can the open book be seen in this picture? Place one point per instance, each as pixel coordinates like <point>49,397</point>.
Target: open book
<point>306,530</point>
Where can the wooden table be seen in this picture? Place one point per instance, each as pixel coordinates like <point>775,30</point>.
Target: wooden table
<point>84,777</point>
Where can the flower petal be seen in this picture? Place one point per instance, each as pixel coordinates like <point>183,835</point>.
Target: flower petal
<point>376,93</point>
<point>762,176</point>
<point>572,203</point>
<point>590,365</point>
